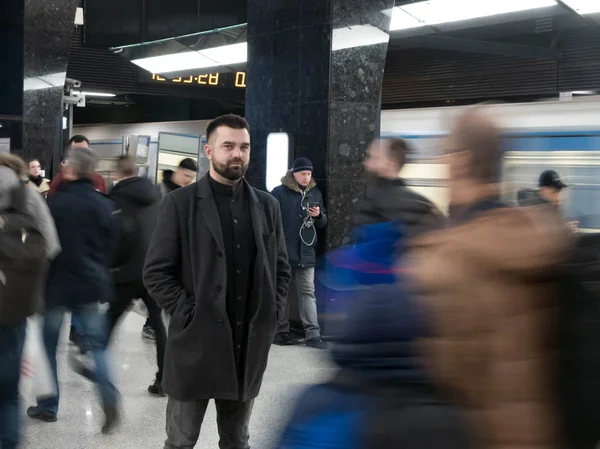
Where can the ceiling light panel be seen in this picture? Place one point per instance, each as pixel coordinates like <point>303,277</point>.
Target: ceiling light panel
<point>357,36</point>
<point>584,6</point>
<point>435,12</point>
<point>201,59</point>
<point>401,20</point>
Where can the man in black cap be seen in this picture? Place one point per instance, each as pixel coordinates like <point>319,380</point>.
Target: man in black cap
<point>551,187</point>
<point>302,211</point>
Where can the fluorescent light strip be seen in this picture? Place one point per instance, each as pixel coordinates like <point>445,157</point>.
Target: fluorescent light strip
<point>94,94</point>
<point>584,6</point>
<point>435,12</point>
<point>189,60</point>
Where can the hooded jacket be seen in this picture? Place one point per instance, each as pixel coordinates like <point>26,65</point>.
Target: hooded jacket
<point>392,200</point>
<point>294,212</point>
<point>138,202</point>
<point>489,287</point>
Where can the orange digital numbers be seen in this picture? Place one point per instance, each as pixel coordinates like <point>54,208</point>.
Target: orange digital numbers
<point>207,79</point>
<point>240,79</point>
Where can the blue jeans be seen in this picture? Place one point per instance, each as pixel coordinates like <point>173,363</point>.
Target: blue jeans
<point>12,340</point>
<point>94,327</point>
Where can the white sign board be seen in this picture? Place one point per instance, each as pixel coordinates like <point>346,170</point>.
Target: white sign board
<point>5,145</point>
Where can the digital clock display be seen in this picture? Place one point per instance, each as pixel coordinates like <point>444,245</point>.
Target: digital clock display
<point>235,80</point>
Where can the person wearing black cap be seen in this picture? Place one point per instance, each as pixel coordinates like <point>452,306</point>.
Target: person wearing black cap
<point>551,187</point>
<point>302,211</point>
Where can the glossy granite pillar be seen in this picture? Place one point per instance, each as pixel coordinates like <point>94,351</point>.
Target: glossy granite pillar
<point>327,98</point>
<point>48,28</point>
<point>315,71</point>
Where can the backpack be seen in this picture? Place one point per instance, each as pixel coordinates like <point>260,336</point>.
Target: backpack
<point>579,345</point>
<point>23,261</point>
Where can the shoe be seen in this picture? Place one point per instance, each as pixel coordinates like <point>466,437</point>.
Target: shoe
<point>41,415</point>
<point>156,389</point>
<point>316,343</point>
<point>148,332</point>
<point>112,418</point>
<point>283,339</point>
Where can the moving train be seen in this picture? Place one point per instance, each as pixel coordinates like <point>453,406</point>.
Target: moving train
<point>562,135</point>
<point>559,135</point>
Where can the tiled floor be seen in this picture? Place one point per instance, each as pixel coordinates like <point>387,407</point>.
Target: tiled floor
<point>80,417</point>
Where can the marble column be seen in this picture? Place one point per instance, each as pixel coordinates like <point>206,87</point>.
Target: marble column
<point>48,28</point>
<point>315,70</point>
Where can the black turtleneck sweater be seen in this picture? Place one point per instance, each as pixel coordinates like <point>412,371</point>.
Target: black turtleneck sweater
<point>240,253</point>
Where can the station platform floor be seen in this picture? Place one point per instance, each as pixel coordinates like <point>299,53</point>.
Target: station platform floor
<point>290,370</point>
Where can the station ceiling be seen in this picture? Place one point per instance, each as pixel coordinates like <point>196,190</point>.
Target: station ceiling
<point>529,54</point>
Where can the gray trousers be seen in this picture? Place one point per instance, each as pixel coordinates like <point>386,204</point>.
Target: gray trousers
<point>307,303</point>
<point>184,420</point>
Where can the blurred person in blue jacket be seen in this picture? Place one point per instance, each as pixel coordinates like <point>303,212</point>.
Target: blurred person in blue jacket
<point>381,396</point>
<point>79,278</point>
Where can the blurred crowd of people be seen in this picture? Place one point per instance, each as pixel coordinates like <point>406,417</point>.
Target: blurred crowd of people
<point>473,330</point>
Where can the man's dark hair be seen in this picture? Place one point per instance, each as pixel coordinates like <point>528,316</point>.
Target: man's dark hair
<point>29,161</point>
<point>126,166</point>
<point>189,164</point>
<point>398,150</point>
<point>229,120</point>
<point>78,138</point>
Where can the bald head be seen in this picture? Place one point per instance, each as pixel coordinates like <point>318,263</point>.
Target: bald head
<point>475,134</point>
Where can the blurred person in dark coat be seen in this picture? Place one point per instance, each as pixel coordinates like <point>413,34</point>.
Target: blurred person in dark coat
<point>388,198</point>
<point>79,278</point>
<point>75,142</point>
<point>20,287</point>
<point>489,286</point>
<point>138,204</point>
<point>218,264</point>
<point>381,396</point>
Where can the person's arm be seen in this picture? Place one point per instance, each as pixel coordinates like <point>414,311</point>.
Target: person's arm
<point>163,259</point>
<point>56,182</point>
<point>39,211</point>
<point>284,271</point>
<point>276,194</point>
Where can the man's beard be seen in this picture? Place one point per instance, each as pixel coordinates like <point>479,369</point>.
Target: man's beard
<point>229,172</point>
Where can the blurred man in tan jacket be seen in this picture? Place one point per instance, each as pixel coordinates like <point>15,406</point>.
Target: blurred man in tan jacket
<point>489,284</point>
